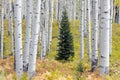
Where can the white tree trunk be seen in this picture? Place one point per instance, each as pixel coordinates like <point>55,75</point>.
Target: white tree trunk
<point>70,8</point>
<point>10,25</point>
<point>9,16</point>
<point>114,10</point>
<point>104,37</point>
<point>12,39</point>
<point>82,30</point>
<point>24,8</point>
<point>85,18</point>
<point>74,9</point>
<point>89,29</point>
<point>18,37</point>
<point>34,38</point>
<point>78,9</point>
<point>91,9</point>
<point>51,22</point>
<point>46,24</point>
<point>99,15</point>
<point>95,35</point>
<point>111,21</point>
<point>42,30</point>
<point>56,9</point>
<point>2,29</point>
<point>5,9</point>
<point>28,35</point>
<point>119,12</point>
<point>60,9</point>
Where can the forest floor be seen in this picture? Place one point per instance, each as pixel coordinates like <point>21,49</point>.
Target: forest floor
<point>50,69</point>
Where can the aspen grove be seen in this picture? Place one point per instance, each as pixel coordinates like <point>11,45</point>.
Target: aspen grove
<point>59,39</point>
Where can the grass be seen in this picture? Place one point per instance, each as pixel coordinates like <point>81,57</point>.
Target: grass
<point>50,69</point>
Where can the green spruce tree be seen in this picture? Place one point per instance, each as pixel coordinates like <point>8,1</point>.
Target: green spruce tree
<point>65,45</point>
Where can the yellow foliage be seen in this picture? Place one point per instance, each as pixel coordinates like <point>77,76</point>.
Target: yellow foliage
<point>117,2</point>
<point>52,76</point>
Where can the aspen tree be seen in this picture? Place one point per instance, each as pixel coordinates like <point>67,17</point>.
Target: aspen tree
<point>119,11</point>
<point>56,15</point>
<point>9,16</point>
<point>82,30</point>
<point>51,22</point>
<point>2,29</point>
<point>89,29</point>
<point>5,9</point>
<point>111,21</point>
<point>69,5</point>
<point>34,38</point>
<point>74,9</point>
<point>85,17</point>
<point>104,37</point>
<point>60,9</point>
<point>28,34</point>
<point>46,25</point>
<point>42,30</point>
<point>95,35</point>
<point>24,8</point>
<point>114,10</point>
<point>18,37</point>
<point>10,25</point>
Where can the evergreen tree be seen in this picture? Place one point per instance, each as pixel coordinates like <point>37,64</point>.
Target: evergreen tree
<point>65,45</point>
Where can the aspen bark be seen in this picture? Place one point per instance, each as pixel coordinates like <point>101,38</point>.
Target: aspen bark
<point>34,38</point>
<point>111,21</point>
<point>46,25</point>
<point>114,11</point>
<point>2,29</point>
<point>95,35</point>
<point>10,25</point>
<point>74,9</point>
<point>42,20</point>
<point>119,12</point>
<point>28,35</point>
<point>104,37</point>
<point>18,37</point>
<point>24,8</point>
<point>60,9</point>
<point>56,9</point>
<point>82,30</point>
<point>51,23</point>
<point>85,18</point>
<point>9,16</point>
<point>89,29</point>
